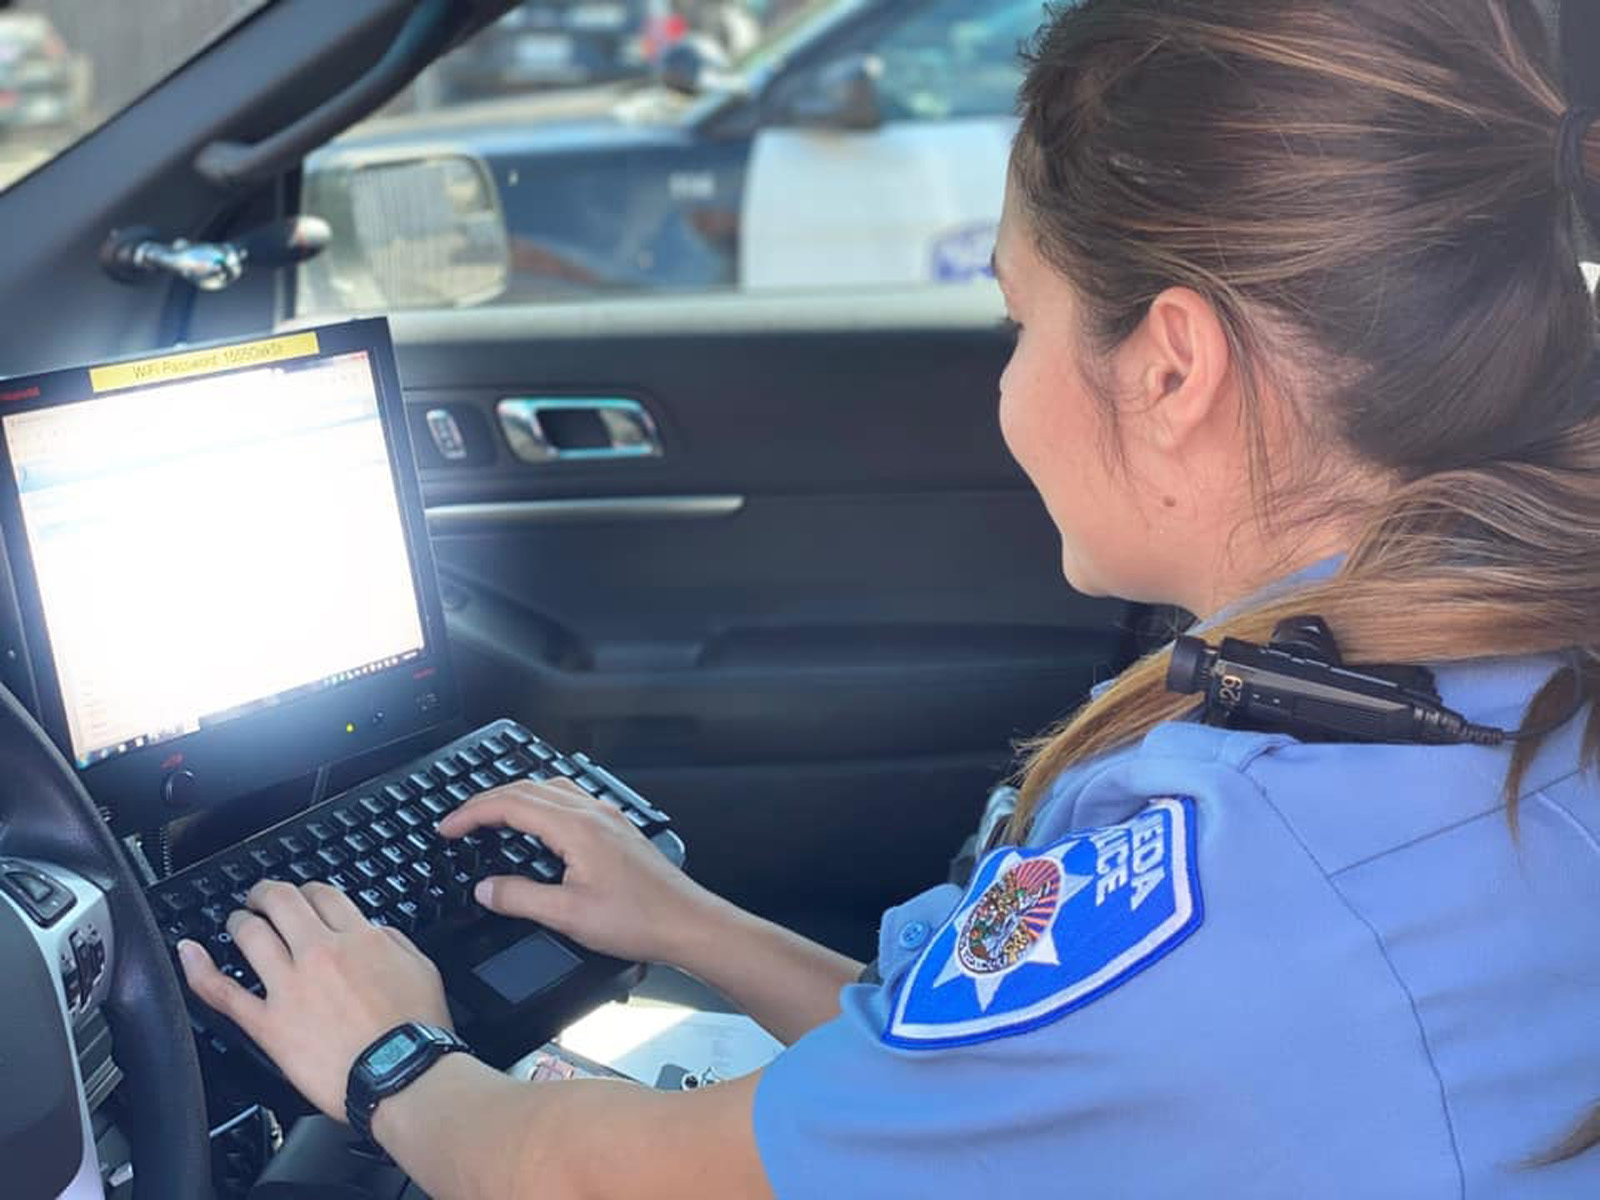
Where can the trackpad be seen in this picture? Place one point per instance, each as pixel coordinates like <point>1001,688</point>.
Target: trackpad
<point>526,968</point>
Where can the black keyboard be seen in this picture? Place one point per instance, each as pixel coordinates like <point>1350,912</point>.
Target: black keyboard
<point>377,843</point>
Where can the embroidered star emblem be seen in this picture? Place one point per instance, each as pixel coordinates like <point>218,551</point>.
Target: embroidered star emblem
<point>1042,951</point>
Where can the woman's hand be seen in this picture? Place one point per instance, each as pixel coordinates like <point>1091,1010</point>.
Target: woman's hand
<point>334,983</point>
<point>619,896</point>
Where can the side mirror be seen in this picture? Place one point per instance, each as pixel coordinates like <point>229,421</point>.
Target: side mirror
<point>846,94</point>
<point>408,233</point>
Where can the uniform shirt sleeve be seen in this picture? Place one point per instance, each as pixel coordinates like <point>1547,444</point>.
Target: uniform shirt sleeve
<point>1259,1046</point>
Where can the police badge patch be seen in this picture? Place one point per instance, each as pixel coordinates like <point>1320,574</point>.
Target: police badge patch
<point>1042,932</point>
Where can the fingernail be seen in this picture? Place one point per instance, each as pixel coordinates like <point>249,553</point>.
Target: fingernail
<point>189,953</point>
<point>483,892</point>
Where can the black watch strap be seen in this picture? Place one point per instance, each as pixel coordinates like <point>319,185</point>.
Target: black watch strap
<point>389,1065</point>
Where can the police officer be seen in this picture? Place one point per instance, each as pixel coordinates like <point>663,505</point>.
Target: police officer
<point>1301,330</point>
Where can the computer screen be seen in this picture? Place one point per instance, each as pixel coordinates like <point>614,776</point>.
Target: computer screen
<point>287,570</point>
<point>217,546</point>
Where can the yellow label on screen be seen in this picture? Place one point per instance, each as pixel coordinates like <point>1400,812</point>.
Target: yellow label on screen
<point>202,362</point>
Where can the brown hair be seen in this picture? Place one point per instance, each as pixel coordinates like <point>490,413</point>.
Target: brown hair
<point>1370,189</point>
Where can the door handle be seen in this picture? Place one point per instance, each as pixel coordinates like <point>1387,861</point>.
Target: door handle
<point>563,429</point>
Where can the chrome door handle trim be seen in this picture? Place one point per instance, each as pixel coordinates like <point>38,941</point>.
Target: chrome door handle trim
<point>628,424</point>
<point>470,518</point>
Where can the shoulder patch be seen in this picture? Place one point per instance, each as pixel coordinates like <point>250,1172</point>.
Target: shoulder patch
<point>1041,932</point>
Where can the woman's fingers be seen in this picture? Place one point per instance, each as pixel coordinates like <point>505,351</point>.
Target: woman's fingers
<point>513,896</point>
<point>336,909</point>
<point>220,992</point>
<point>259,942</point>
<point>549,811</point>
<point>291,914</point>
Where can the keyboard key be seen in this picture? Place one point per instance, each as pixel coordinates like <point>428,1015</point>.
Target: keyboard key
<point>350,818</point>
<point>406,916</point>
<point>514,854</point>
<point>508,769</point>
<point>206,886</point>
<point>239,898</point>
<point>459,855</point>
<point>294,845</point>
<point>657,817</point>
<point>320,832</point>
<point>397,792</point>
<point>459,792</point>
<point>493,747</point>
<point>409,817</point>
<point>437,897</point>
<point>371,901</point>
<point>266,857</point>
<point>303,871</point>
<point>421,782</point>
<point>539,750</point>
<point>241,974</point>
<point>590,784</point>
<point>516,735</point>
<point>394,855</point>
<point>562,767</point>
<point>368,870</point>
<point>420,843</point>
<point>545,868</point>
<point>447,770</point>
<point>332,857</point>
<point>483,781</point>
<point>172,904</point>
<point>237,872</point>
<point>470,760</point>
<point>212,918</point>
<point>343,880</point>
<point>374,806</point>
<point>359,843</point>
<point>398,886</point>
<point>434,805</point>
<point>421,872</point>
<point>385,830</point>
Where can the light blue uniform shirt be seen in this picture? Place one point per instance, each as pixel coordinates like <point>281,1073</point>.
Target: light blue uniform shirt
<point>1234,965</point>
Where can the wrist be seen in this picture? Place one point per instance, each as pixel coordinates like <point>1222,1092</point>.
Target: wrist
<point>701,937</point>
<point>419,1106</point>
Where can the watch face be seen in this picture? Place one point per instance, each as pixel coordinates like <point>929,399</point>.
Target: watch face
<point>392,1053</point>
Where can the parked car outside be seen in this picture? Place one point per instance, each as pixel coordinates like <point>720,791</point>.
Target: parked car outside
<point>862,143</point>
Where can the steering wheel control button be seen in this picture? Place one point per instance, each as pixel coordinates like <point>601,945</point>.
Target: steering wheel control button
<point>71,981</point>
<point>41,897</point>
<point>914,934</point>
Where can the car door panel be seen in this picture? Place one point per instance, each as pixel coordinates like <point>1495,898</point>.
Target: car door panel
<point>819,619</point>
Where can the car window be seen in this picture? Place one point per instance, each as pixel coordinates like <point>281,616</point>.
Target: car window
<point>956,59</point>
<point>67,66</point>
<point>597,148</point>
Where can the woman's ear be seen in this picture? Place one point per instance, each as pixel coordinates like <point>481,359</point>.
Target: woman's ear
<point>1185,368</point>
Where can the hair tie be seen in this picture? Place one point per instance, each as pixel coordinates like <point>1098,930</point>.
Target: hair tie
<point>1571,173</point>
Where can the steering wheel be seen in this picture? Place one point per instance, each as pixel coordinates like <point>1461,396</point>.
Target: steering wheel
<point>47,819</point>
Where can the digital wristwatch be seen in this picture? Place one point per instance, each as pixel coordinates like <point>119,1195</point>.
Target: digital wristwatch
<point>389,1065</point>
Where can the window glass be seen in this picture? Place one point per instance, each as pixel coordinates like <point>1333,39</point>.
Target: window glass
<point>586,148</point>
<point>956,59</point>
<point>67,66</point>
